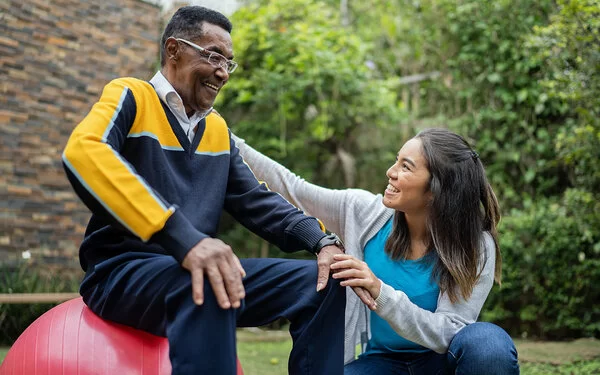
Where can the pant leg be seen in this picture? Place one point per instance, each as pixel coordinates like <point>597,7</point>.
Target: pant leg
<point>153,292</point>
<point>377,365</point>
<point>430,363</point>
<point>277,288</point>
<point>482,348</point>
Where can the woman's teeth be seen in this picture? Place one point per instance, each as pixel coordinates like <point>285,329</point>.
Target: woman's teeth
<point>392,189</point>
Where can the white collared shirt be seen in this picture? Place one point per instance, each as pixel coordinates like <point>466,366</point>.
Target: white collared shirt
<point>171,98</point>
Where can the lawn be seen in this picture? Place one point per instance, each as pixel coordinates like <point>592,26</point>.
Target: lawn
<point>266,353</point>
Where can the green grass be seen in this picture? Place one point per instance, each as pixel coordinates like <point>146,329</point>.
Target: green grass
<point>264,358</point>
<point>579,368</point>
<point>256,350</point>
<point>263,352</point>
<point>581,357</point>
<point>3,352</point>
<point>266,353</point>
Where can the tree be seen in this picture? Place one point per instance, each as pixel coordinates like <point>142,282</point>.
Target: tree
<point>569,47</point>
<point>304,93</point>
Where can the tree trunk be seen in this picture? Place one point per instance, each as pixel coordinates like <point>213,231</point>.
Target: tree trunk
<point>264,249</point>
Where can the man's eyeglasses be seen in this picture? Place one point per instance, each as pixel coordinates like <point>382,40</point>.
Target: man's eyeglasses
<point>214,58</point>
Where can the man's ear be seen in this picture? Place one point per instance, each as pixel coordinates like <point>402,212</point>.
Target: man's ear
<point>172,49</point>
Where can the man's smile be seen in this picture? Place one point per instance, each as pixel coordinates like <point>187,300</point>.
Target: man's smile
<point>210,85</point>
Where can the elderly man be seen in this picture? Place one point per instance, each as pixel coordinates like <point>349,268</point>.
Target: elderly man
<point>156,166</point>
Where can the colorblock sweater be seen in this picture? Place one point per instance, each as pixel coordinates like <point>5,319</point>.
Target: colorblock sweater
<point>356,216</point>
<point>152,190</point>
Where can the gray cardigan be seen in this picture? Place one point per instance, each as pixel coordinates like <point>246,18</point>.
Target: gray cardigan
<point>356,216</point>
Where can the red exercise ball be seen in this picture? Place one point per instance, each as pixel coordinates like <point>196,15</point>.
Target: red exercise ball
<point>70,339</point>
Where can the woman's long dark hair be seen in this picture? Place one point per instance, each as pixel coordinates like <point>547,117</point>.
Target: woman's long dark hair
<point>463,206</point>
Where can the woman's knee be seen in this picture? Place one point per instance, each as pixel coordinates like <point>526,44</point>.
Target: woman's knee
<point>483,345</point>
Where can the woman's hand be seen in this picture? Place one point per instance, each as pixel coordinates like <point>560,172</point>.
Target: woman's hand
<point>358,275</point>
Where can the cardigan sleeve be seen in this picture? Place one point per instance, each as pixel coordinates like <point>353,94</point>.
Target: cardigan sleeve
<point>267,213</point>
<point>328,205</point>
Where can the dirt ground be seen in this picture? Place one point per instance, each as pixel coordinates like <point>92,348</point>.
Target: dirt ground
<point>558,353</point>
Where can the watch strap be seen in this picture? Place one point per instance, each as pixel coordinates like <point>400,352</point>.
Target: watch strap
<point>330,239</point>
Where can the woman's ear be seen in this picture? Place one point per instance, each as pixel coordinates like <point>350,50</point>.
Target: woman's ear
<point>433,185</point>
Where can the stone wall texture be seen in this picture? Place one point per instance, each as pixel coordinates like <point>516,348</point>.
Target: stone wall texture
<point>55,58</point>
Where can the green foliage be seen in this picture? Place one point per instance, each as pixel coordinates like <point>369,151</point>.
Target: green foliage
<point>305,95</point>
<point>552,247</point>
<point>27,278</point>
<point>569,47</point>
<point>578,147</point>
<point>304,86</point>
<point>488,81</point>
<point>499,104</point>
<point>551,256</point>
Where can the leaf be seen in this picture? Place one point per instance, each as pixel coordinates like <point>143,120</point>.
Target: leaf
<point>494,77</point>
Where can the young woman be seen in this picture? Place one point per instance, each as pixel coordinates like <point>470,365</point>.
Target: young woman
<point>423,257</point>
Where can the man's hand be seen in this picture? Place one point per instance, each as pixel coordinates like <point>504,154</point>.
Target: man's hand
<point>216,260</point>
<point>324,261</point>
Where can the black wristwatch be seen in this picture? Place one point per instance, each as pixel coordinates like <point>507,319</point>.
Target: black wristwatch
<point>328,240</point>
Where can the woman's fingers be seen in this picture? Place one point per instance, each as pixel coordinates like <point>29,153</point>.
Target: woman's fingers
<point>350,262</point>
<point>347,273</point>
<point>356,274</point>
<point>355,282</point>
<point>365,297</point>
<point>340,257</point>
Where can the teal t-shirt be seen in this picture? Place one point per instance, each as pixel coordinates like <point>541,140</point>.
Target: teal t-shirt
<point>413,277</point>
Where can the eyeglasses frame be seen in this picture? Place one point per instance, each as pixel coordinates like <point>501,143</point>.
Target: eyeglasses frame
<point>230,66</point>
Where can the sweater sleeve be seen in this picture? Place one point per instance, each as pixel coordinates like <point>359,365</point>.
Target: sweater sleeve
<point>328,205</point>
<point>435,330</point>
<point>110,186</point>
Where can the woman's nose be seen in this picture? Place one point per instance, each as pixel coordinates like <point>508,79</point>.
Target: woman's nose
<point>391,173</point>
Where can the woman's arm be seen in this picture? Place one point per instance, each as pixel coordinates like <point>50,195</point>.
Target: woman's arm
<point>435,330</point>
<point>328,205</point>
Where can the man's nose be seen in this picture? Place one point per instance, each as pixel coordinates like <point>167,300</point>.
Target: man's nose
<point>222,74</point>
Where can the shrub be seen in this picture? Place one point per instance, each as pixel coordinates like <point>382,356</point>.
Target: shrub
<point>27,278</point>
<point>551,254</point>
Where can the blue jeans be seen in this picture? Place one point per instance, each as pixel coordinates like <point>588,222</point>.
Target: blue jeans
<point>153,292</point>
<point>479,348</point>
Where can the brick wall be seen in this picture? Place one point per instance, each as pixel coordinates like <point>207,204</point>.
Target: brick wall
<point>55,58</point>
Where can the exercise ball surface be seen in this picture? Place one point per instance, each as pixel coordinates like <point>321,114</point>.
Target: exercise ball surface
<point>70,339</point>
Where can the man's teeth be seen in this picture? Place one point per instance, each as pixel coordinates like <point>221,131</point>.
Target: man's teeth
<point>392,189</point>
<point>212,86</point>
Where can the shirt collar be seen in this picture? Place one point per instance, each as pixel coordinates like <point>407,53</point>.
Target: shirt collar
<point>166,92</point>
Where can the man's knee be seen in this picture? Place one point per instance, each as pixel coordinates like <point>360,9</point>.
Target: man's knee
<point>309,270</point>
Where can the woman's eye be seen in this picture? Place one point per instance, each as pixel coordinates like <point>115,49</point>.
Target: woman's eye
<point>405,166</point>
